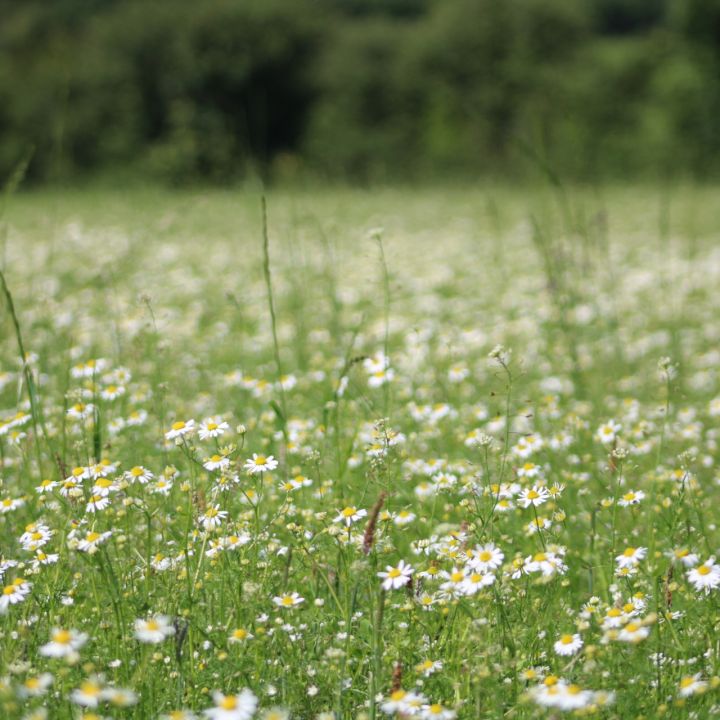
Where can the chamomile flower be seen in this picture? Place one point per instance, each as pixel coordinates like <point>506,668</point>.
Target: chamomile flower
<point>213,517</point>
<point>280,713</point>
<point>631,497</point>
<point>631,557</point>
<point>485,558</point>
<point>260,463</point>
<point>475,581</point>
<point>35,686</point>
<point>179,715</point>
<point>608,432</point>
<point>428,667</point>
<point>436,711</point>
<point>138,474</point>
<point>289,600</point>
<point>535,496</point>
<point>216,463</point>
<point>154,630</point>
<point>89,694</point>
<point>112,392</point>
<point>46,486</point>
<point>568,644</point>
<point>633,632</point>
<point>119,697</point>
<point>103,487</point>
<point>404,517</point>
<point>564,696</point>
<point>403,702</point>
<point>692,685</point>
<point>349,515</point>
<point>36,535</point>
<point>14,593</point>
<point>396,577</point>
<point>212,427</point>
<point>684,556</point>
<point>240,635</point>
<point>705,577</point>
<point>96,503</point>
<point>64,643</point>
<point>232,707</point>
<point>9,504</point>
<point>180,429</point>
<point>92,541</point>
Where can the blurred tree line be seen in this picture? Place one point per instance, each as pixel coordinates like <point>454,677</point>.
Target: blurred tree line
<point>215,90</point>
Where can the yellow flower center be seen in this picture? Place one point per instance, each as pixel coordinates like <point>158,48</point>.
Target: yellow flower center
<point>228,703</point>
<point>179,425</point>
<point>704,570</point>
<point>90,688</point>
<point>62,636</point>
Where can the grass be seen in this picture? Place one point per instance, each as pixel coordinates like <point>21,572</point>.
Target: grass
<point>513,393</point>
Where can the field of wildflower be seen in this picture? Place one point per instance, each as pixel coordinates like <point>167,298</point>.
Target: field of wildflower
<point>390,454</point>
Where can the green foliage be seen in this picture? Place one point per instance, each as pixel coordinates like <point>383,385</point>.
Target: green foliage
<point>223,89</point>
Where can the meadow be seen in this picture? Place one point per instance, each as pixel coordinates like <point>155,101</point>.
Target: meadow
<point>430,453</point>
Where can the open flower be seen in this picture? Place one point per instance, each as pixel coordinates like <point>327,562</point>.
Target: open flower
<point>180,429</point>
<point>64,643</point>
<point>232,707</point>
<point>289,600</point>
<point>568,644</point>
<point>705,577</point>
<point>154,630</point>
<point>348,515</point>
<point>396,577</point>
<point>260,463</point>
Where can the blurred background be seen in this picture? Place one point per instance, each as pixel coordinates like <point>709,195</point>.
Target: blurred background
<point>215,91</point>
